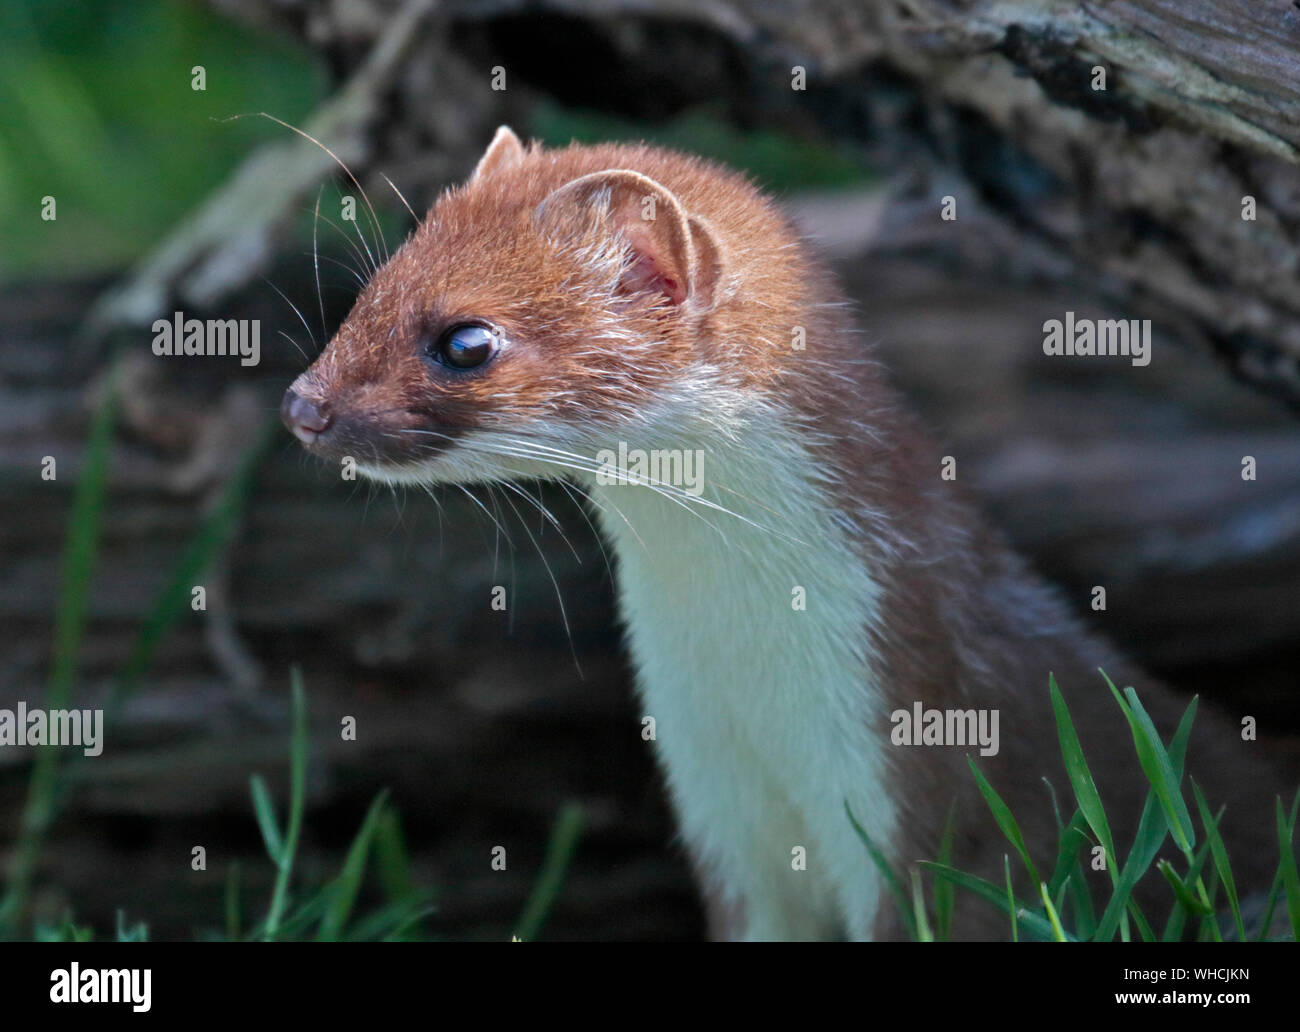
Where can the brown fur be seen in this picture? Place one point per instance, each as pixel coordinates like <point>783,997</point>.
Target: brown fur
<point>964,623</point>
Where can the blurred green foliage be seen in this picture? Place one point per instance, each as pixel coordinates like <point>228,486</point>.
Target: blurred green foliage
<point>776,161</point>
<point>97,110</point>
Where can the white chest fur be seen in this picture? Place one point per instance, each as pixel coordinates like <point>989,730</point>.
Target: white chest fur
<point>763,708</point>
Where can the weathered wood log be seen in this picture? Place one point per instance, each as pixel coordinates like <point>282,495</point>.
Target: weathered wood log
<point>1140,189</point>
<point>480,722</point>
<point>1124,202</point>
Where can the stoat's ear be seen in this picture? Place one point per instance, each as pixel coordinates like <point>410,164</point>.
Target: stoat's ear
<point>710,263</point>
<point>504,151</point>
<point>666,258</point>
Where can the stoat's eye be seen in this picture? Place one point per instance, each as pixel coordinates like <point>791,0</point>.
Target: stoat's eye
<point>465,346</point>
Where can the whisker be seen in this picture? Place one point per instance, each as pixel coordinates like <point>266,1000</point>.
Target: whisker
<point>559,595</point>
<point>501,531</point>
<point>363,266</point>
<point>536,451</point>
<point>568,487</point>
<point>374,265</point>
<point>315,260</point>
<point>438,504</point>
<point>305,357</point>
<point>545,512</point>
<point>339,161</point>
<point>514,572</point>
<point>346,268</point>
<point>296,310</point>
<point>399,196</point>
<point>669,491</point>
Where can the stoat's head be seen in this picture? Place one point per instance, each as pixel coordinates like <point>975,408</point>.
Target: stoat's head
<point>532,309</point>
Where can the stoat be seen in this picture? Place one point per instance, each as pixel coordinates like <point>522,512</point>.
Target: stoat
<point>817,578</point>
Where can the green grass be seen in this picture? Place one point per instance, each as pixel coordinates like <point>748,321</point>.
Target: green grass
<point>325,912</point>
<point>51,778</point>
<point>80,549</point>
<point>1064,908</point>
<point>564,840</point>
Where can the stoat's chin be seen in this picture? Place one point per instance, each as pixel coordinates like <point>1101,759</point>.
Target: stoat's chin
<point>394,475</point>
<point>455,466</point>
<point>424,473</point>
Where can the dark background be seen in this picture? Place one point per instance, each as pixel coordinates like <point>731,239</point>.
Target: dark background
<point>483,724</point>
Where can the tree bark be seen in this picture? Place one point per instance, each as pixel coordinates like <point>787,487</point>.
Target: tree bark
<point>1125,202</point>
<point>1137,189</point>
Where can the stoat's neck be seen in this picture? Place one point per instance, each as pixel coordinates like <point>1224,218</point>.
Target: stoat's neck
<point>749,632</point>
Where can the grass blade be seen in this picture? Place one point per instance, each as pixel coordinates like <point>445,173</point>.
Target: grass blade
<point>1220,853</point>
<point>1152,829</point>
<point>1085,915</point>
<point>1186,897</point>
<point>393,920</point>
<point>344,891</point>
<point>1157,767</point>
<point>80,548</point>
<point>1287,867</point>
<point>1270,905</point>
<point>1034,923</point>
<point>923,930</point>
<point>1208,928</point>
<point>1058,933</point>
<point>173,602</point>
<point>1011,898</point>
<point>297,802</point>
<point>1076,766</point>
<point>887,873</point>
<point>264,810</point>
<point>392,866</point>
<point>1005,819</point>
<point>559,851</point>
<point>945,892</point>
<point>1072,839</point>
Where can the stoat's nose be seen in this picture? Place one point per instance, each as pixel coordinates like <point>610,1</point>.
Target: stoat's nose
<point>305,419</point>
